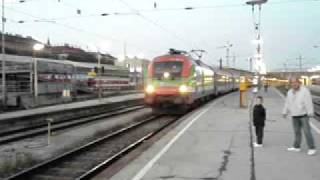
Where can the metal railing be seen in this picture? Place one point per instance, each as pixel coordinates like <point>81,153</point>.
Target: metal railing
<point>13,67</point>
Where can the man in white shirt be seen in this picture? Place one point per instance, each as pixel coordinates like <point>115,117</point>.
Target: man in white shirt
<point>300,107</point>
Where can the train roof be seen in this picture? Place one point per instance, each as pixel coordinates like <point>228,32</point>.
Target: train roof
<point>92,65</point>
<point>220,71</point>
<point>29,59</point>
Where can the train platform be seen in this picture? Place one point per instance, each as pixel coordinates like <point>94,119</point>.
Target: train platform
<point>70,106</point>
<point>215,143</point>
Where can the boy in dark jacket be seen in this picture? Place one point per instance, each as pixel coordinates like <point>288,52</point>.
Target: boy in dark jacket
<point>259,117</point>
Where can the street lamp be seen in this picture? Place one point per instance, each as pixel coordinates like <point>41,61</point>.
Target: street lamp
<point>36,48</point>
<point>99,76</point>
<point>4,97</point>
<point>258,41</point>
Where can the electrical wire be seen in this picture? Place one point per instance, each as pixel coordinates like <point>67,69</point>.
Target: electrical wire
<point>189,8</point>
<point>72,28</point>
<point>155,23</point>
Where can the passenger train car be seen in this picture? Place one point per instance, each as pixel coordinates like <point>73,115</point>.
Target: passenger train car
<point>111,77</point>
<point>176,79</point>
<point>54,77</point>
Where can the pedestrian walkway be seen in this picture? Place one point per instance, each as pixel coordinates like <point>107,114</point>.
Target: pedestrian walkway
<point>69,106</point>
<point>215,143</point>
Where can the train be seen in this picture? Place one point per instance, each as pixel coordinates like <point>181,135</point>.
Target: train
<point>59,80</point>
<point>176,82</point>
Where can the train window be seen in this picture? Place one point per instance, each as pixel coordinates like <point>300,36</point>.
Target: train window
<point>174,68</point>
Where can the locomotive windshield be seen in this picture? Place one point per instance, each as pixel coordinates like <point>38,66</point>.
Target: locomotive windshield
<point>172,67</point>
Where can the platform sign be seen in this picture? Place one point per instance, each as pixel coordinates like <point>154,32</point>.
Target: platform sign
<point>92,73</point>
<point>243,88</point>
<point>243,83</point>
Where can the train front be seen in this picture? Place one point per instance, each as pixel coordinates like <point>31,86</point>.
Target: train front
<point>169,81</point>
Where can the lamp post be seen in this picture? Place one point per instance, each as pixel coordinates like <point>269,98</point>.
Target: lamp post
<point>4,93</point>
<point>36,48</point>
<point>258,41</point>
<point>99,76</point>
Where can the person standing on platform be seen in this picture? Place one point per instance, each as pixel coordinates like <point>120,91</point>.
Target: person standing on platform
<point>265,87</point>
<point>259,118</point>
<point>300,107</point>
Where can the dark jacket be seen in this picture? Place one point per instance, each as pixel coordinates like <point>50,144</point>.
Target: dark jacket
<point>259,115</point>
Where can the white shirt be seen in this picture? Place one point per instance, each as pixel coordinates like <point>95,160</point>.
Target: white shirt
<point>298,102</point>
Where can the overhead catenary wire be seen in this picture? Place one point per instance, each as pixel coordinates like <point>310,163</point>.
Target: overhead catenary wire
<point>139,11</point>
<point>159,10</point>
<point>38,19</point>
<point>160,26</point>
<point>155,23</point>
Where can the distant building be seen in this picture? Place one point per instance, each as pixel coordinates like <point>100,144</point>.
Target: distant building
<point>16,44</point>
<point>23,46</point>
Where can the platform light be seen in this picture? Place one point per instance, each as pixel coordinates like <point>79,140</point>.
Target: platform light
<point>150,89</point>
<point>256,2</point>
<point>121,58</point>
<point>38,47</point>
<point>258,56</point>
<point>183,89</point>
<point>315,77</point>
<point>257,41</point>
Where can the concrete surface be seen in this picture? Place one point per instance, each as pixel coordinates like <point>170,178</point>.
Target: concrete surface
<point>60,107</point>
<point>37,149</point>
<point>214,143</point>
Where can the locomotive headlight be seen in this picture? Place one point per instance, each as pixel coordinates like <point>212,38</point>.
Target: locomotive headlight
<point>183,89</point>
<point>166,75</point>
<point>150,89</point>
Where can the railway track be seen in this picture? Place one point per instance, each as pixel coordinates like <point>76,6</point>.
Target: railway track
<point>317,109</point>
<point>88,160</point>
<point>15,135</point>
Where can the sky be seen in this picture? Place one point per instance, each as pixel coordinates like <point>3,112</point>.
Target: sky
<point>289,28</point>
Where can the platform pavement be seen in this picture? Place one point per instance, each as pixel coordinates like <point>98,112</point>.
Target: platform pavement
<point>69,106</point>
<point>214,143</point>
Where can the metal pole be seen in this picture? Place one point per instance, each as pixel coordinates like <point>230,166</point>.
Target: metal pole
<point>135,72</point>
<point>234,60</point>
<point>35,83</point>
<point>300,63</point>
<point>49,121</point>
<point>250,64</point>
<point>4,98</point>
<point>99,77</point>
<point>227,55</point>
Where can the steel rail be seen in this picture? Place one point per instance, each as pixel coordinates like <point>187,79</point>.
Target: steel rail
<point>28,173</point>
<point>23,133</point>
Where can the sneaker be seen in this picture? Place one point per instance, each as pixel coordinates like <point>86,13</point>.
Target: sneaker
<point>257,145</point>
<point>311,152</point>
<point>293,149</point>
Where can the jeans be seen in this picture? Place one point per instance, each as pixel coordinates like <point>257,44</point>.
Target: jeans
<point>302,122</point>
<point>259,134</point>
